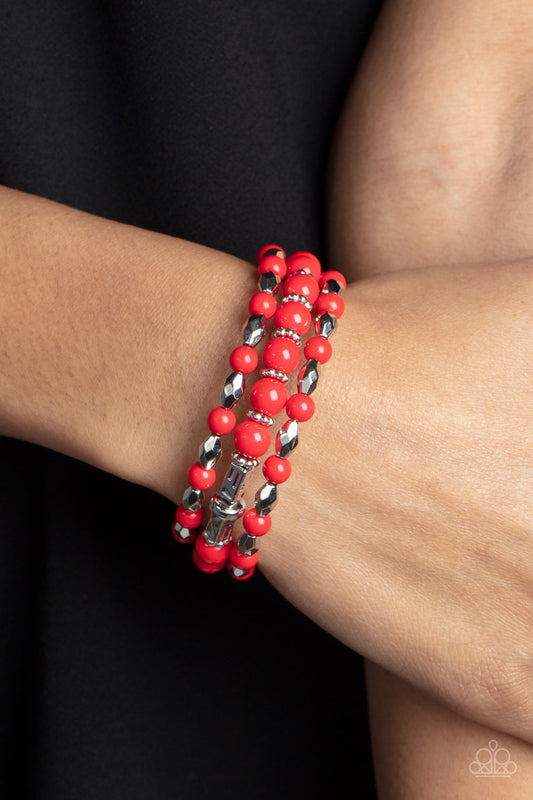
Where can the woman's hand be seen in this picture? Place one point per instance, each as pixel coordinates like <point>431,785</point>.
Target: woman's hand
<point>407,530</point>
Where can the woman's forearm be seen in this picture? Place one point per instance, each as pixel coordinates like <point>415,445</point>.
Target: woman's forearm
<point>110,335</point>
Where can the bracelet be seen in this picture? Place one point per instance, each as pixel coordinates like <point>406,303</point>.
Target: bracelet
<point>304,288</point>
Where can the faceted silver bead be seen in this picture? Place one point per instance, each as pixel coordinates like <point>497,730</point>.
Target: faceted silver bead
<point>238,572</point>
<point>248,544</point>
<point>210,451</point>
<point>308,377</point>
<point>332,285</point>
<point>233,389</point>
<point>325,324</point>
<point>265,499</point>
<point>254,330</point>
<point>287,438</point>
<point>268,282</point>
<point>184,534</point>
<point>192,499</point>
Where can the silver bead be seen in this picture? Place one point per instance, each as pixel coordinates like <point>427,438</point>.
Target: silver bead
<point>245,463</point>
<point>308,377</point>
<point>184,534</point>
<point>275,373</point>
<point>297,298</point>
<point>262,418</point>
<point>288,334</point>
<point>287,438</point>
<point>220,524</point>
<point>254,330</point>
<point>333,286</point>
<point>265,499</point>
<point>210,451</point>
<point>233,389</point>
<point>232,483</point>
<point>268,282</point>
<point>247,544</point>
<point>238,572</point>
<point>326,324</point>
<point>192,499</point>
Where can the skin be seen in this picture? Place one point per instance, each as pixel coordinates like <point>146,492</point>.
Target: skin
<point>410,509</point>
<point>439,172</point>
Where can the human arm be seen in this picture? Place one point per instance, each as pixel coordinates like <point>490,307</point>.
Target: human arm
<point>433,167</point>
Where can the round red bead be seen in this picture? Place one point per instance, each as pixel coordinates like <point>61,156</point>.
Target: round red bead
<point>319,348</point>
<point>306,285</point>
<point>251,439</point>
<point>304,261</point>
<point>332,274</point>
<point>273,264</point>
<point>221,421</point>
<point>268,396</point>
<point>263,303</point>
<point>281,354</point>
<point>243,561</point>
<point>256,525</point>
<point>210,553</point>
<point>330,302</point>
<point>244,359</point>
<point>300,407</point>
<point>201,478</point>
<point>293,315</point>
<point>277,469</point>
<point>189,519</point>
<point>270,249</point>
<point>203,565</point>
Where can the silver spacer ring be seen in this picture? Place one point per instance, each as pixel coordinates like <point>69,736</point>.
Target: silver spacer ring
<point>288,333</point>
<point>297,298</point>
<point>262,418</point>
<point>274,373</point>
<point>244,462</point>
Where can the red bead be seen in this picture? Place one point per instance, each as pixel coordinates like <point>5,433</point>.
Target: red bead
<point>210,553</point>
<point>281,354</point>
<point>300,406</point>
<point>330,274</point>
<point>330,302</point>
<point>256,525</point>
<point>304,261</point>
<point>203,565</point>
<point>273,264</point>
<point>306,285</point>
<point>319,348</point>
<point>293,315</point>
<point>201,478</point>
<point>277,469</point>
<point>268,396</point>
<point>189,519</point>
<point>263,303</point>
<point>251,439</point>
<point>244,359</point>
<point>242,561</point>
<point>272,250</point>
<point>221,421</point>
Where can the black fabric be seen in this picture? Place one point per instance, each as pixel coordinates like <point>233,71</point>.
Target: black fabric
<point>124,671</point>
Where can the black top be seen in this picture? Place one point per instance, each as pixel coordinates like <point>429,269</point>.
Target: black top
<point>211,122</point>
